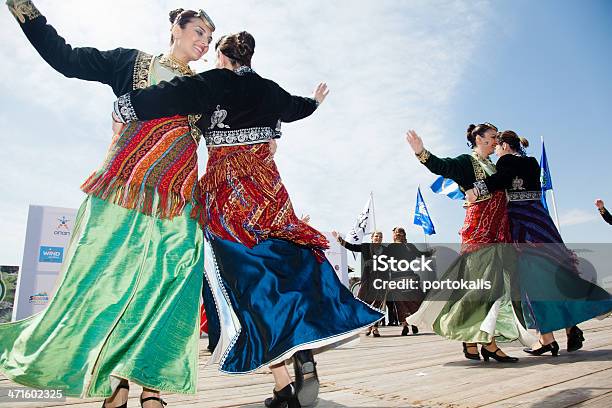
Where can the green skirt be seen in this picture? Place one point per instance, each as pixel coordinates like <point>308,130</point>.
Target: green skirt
<point>127,306</point>
<point>477,315</point>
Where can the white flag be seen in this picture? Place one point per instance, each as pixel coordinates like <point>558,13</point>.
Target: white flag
<point>363,224</point>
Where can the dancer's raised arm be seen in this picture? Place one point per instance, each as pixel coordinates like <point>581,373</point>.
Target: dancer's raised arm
<point>180,96</point>
<point>200,94</point>
<point>449,167</point>
<point>298,107</point>
<point>603,211</point>
<point>85,63</point>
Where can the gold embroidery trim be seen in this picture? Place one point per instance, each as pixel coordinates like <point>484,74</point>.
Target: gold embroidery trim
<point>23,10</point>
<point>423,156</point>
<point>602,210</point>
<point>175,65</point>
<point>480,175</point>
<point>142,66</point>
<point>196,133</point>
<point>142,69</point>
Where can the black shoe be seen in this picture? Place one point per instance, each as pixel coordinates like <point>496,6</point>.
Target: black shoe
<point>575,338</point>
<point>552,347</point>
<point>143,400</point>
<point>122,384</point>
<point>285,398</point>
<point>306,378</point>
<point>415,330</point>
<point>486,354</point>
<point>405,331</point>
<point>369,331</point>
<point>375,333</point>
<point>470,356</point>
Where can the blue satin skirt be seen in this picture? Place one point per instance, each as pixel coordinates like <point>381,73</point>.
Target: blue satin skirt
<point>284,299</point>
<point>554,296</point>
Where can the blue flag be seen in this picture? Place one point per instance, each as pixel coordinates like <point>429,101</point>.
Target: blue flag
<point>545,178</point>
<point>421,215</point>
<point>447,187</point>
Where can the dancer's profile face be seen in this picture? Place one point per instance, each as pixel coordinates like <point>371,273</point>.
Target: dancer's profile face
<point>487,141</point>
<point>193,40</point>
<point>502,149</point>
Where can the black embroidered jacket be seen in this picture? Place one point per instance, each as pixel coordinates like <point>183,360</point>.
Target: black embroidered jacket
<point>122,69</point>
<point>242,106</point>
<point>518,175</point>
<point>463,169</point>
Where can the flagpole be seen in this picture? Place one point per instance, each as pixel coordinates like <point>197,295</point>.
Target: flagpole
<point>373,212</point>
<point>552,194</point>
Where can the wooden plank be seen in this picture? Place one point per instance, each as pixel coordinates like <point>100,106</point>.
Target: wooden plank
<point>416,371</point>
<point>603,401</point>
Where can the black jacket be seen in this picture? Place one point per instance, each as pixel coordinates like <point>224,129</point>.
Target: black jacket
<point>606,215</point>
<point>518,175</point>
<point>242,106</point>
<point>116,68</point>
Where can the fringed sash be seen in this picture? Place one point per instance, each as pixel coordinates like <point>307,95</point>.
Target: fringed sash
<point>245,201</point>
<point>486,222</point>
<point>150,167</point>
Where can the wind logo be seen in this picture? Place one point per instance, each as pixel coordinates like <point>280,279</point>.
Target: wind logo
<point>63,228</point>
<point>51,254</point>
<point>39,298</point>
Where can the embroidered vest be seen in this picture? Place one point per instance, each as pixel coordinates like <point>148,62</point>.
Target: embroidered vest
<point>152,166</point>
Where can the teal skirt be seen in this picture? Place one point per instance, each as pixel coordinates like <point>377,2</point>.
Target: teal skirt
<point>127,306</point>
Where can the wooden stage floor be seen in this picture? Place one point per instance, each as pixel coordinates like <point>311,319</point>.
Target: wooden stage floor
<point>417,371</point>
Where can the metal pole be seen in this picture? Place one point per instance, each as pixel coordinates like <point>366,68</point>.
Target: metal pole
<point>373,216</point>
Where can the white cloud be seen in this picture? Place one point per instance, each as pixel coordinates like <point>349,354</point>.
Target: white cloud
<point>390,65</point>
<point>577,216</point>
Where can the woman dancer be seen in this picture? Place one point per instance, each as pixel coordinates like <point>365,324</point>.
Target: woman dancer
<point>284,293</point>
<point>474,315</point>
<point>554,296</point>
<point>126,308</point>
<point>374,297</point>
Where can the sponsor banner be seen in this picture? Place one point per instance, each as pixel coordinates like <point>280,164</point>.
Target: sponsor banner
<point>51,254</point>
<point>48,234</point>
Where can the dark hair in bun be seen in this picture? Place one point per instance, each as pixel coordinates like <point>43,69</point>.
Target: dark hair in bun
<point>239,48</point>
<point>174,14</point>
<point>478,130</point>
<point>516,143</point>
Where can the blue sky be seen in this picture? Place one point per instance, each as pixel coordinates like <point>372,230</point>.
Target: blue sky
<point>540,68</point>
<point>543,69</point>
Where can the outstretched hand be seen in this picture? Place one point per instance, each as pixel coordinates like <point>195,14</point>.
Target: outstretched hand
<point>272,145</point>
<point>470,196</point>
<point>599,203</point>
<point>321,92</point>
<point>415,142</point>
<point>117,127</point>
